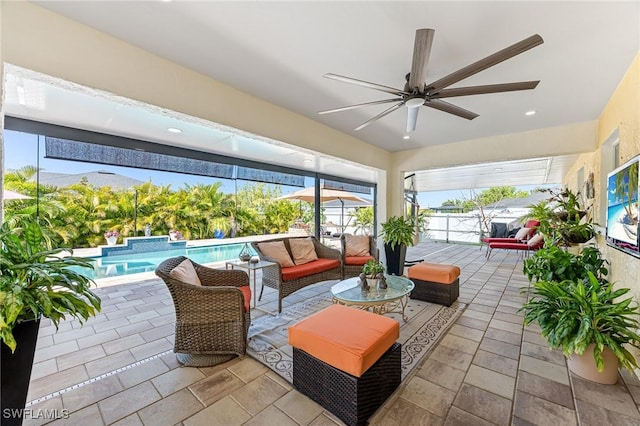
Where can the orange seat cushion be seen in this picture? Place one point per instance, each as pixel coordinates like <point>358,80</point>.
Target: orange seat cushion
<point>246,292</point>
<point>314,267</point>
<point>352,349</point>
<point>357,260</point>
<point>434,272</point>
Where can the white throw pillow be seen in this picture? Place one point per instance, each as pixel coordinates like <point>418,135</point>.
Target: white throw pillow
<point>535,240</point>
<point>522,233</point>
<point>186,273</point>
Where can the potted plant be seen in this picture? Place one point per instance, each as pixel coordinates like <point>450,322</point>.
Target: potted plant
<point>111,237</point>
<point>373,271</point>
<point>587,320</point>
<point>552,263</point>
<point>36,281</point>
<point>563,218</point>
<point>397,234</point>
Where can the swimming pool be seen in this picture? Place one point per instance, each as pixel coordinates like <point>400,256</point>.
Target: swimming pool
<point>111,266</point>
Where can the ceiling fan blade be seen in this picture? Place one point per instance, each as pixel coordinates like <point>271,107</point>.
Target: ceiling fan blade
<point>421,53</point>
<point>489,88</point>
<point>366,84</point>
<point>412,118</point>
<point>489,61</point>
<point>382,114</point>
<point>450,108</point>
<point>383,101</point>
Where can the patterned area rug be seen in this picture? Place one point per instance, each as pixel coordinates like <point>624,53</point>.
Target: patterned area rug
<point>427,322</point>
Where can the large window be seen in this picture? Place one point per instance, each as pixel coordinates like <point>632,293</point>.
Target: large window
<point>84,184</point>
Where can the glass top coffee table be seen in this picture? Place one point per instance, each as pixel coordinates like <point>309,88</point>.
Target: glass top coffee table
<point>393,299</point>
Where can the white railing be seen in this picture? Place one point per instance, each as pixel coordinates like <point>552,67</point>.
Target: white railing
<point>460,227</point>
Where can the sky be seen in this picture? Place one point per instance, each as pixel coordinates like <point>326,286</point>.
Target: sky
<point>21,149</point>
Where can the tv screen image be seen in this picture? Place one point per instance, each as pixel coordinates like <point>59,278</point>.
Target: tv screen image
<point>623,207</point>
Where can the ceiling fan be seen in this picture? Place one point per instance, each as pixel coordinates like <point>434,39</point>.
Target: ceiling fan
<point>417,92</point>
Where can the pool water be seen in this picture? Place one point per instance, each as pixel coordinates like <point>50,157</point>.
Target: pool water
<point>111,266</point>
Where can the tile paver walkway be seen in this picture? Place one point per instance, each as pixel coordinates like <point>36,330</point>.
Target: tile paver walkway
<point>487,369</point>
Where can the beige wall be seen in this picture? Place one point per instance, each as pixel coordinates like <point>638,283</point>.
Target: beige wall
<point>621,114</point>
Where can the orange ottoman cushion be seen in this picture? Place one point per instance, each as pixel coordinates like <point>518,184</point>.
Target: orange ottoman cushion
<point>434,272</point>
<point>352,349</point>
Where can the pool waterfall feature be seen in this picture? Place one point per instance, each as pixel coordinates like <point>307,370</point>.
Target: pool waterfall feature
<point>135,245</point>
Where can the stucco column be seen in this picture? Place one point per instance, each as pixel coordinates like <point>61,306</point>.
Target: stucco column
<point>395,193</point>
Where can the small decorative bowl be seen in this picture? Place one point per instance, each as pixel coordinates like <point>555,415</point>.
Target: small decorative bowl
<point>254,259</point>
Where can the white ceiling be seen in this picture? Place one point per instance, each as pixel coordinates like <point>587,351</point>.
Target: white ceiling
<point>534,171</point>
<point>279,51</point>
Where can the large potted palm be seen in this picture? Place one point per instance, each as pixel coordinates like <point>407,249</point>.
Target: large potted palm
<point>36,280</point>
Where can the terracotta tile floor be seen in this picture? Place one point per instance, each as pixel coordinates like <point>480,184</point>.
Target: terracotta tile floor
<point>486,370</point>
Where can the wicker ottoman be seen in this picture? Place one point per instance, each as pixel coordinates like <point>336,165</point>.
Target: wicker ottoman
<point>350,371</point>
<point>435,283</point>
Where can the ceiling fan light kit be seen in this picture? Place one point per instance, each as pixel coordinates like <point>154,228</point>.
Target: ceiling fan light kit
<point>417,92</point>
<point>414,102</point>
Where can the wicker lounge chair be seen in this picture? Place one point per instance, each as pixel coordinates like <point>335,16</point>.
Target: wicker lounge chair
<point>211,320</point>
<point>352,265</point>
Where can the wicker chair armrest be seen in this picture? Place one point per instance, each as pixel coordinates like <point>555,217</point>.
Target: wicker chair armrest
<point>215,303</point>
<point>219,277</point>
<point>326,252</point>
<point>373,248</point>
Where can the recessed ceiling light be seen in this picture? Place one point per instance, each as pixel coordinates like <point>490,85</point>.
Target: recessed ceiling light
<point>406,137</point>
<point>174,130</point>
<point>532,112</point>
<point>497,169</point>
<point>308,161</point>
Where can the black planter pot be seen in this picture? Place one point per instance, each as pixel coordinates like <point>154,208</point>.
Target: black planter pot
<point>15,372</point>
<point>395,259</point>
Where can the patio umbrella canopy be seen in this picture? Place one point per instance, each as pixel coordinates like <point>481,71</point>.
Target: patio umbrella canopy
<point>12,195</point>
<point>327,195</point>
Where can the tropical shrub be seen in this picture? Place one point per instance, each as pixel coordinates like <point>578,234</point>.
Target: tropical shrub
<point>573,314</point>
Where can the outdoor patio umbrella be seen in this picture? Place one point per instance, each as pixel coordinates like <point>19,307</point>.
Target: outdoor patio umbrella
<point>326,195</point>
<point>12,195</point>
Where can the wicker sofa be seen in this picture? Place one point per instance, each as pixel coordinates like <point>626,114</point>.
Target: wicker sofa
<point>287,280</point>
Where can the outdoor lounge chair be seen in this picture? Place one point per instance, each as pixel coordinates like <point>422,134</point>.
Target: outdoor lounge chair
<point>535,243</point>
<point>530,230</point>
<point>213,317</point>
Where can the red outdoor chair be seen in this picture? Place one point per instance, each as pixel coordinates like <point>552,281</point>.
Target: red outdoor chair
<point>535,243</point>
<point>531,226</point>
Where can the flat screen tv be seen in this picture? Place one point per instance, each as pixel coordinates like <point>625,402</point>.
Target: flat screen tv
<point>623,208</point>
